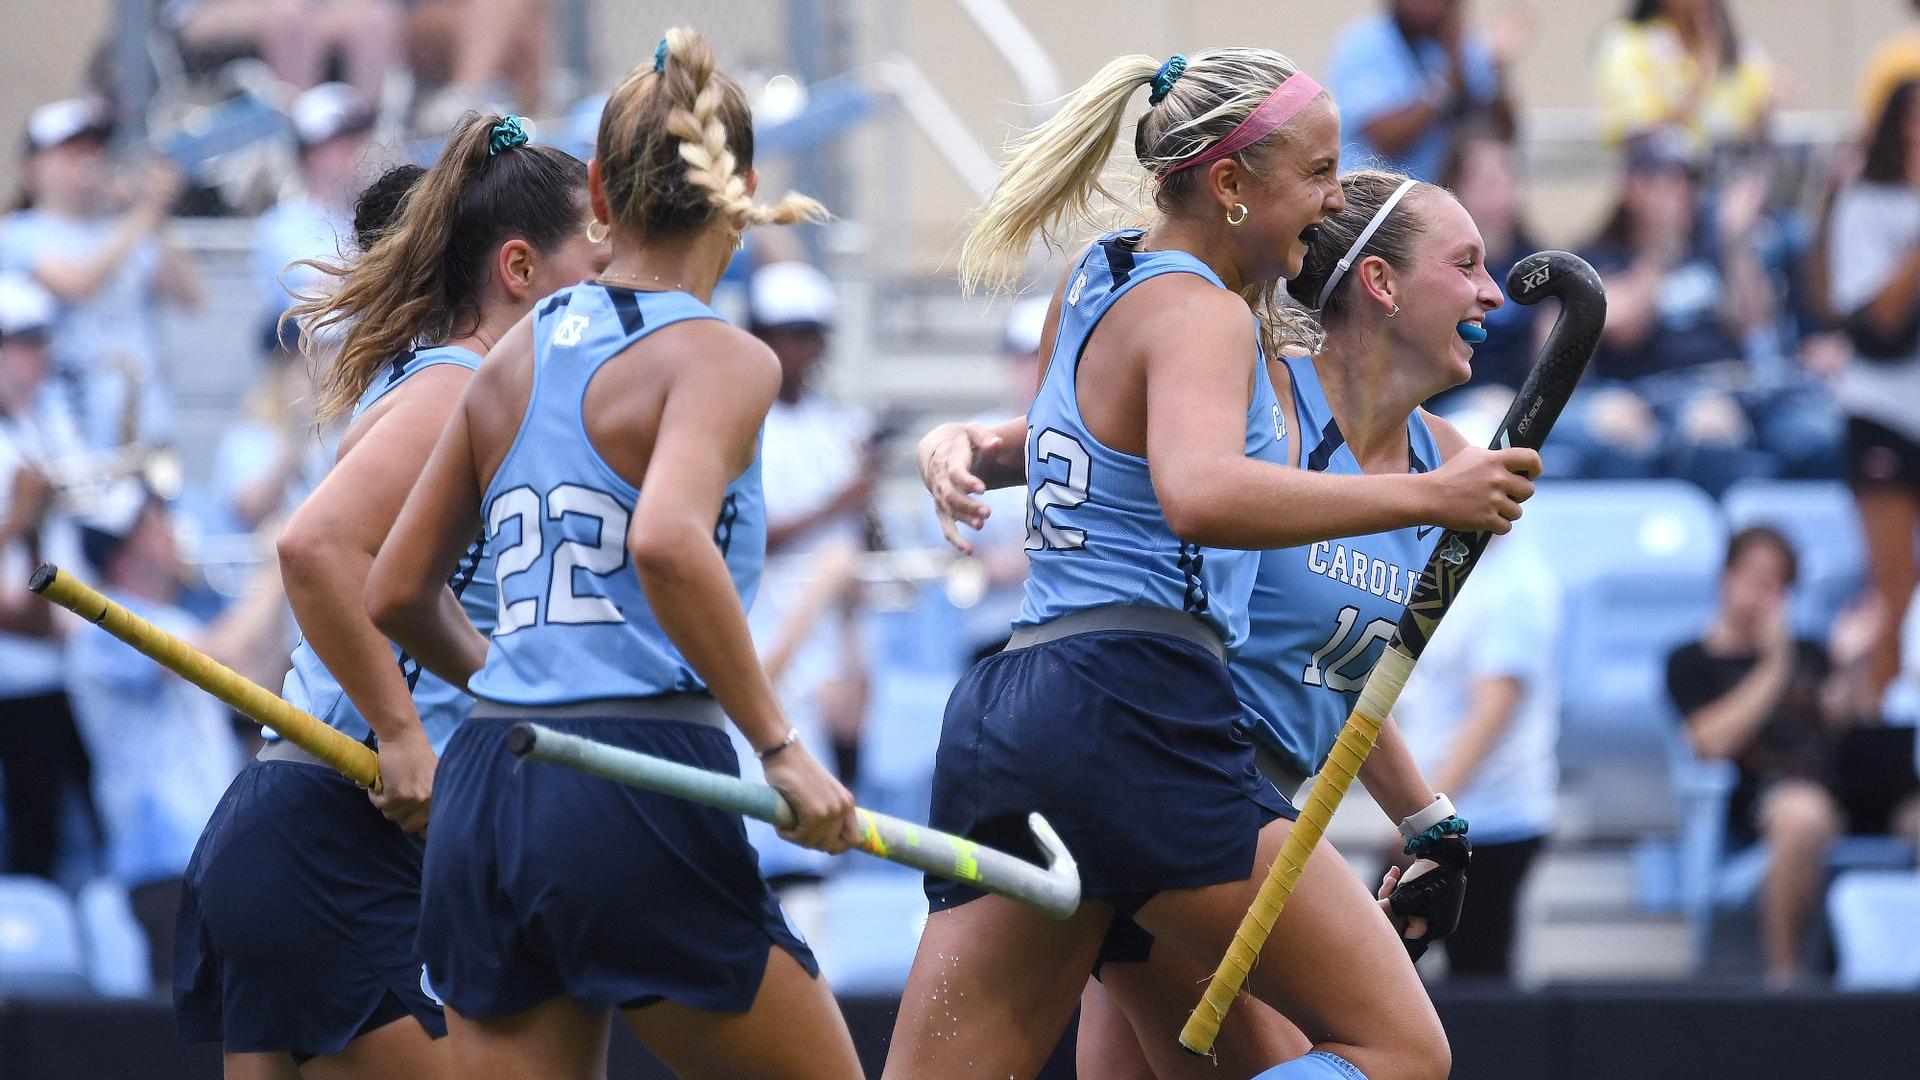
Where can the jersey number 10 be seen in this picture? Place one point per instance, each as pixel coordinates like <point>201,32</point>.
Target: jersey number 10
<point>1335,675</point>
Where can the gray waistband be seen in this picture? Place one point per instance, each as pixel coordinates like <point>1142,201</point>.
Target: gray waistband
<point>1281,774</point>
<point>1137,617</point>
<point>685,708</point>
<point>285,750</point>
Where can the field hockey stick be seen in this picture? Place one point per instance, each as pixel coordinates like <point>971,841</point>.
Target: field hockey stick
<point>1571,344</point>
<point>351,758</point>
<point>1054,889</point>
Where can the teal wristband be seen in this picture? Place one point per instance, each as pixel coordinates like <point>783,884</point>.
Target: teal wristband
<point>1453,826</point>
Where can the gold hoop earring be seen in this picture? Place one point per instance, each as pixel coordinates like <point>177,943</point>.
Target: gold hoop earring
<point>597,240</point>
<point>1242,208</point>
<point>1395,311</point>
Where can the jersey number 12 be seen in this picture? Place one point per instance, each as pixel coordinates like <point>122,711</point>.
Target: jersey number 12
<point>1042,532</point>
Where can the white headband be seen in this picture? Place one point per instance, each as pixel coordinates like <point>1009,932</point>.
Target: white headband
<point>1366,234</point>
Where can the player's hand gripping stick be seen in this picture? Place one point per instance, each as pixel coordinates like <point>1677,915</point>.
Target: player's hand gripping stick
<point>354,760</point>
<point>1571,344</point>
<point>1053,888</point>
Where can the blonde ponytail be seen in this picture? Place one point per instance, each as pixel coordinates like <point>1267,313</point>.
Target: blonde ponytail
<point>1055,174</point>
<point>676,143</point>
<point>1053,177</point>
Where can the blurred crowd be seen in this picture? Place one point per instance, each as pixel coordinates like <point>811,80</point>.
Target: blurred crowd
<point>1763,322</point>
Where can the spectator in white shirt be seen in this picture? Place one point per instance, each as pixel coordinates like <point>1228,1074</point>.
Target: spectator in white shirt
<point>41,760</point>
<point>330,124</point>
<point>1479,715</point>
<point>97,242</point>
<point>162,750</point>
<point>818,474</point>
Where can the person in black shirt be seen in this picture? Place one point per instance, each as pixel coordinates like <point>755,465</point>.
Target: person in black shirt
<point>1752,694</point>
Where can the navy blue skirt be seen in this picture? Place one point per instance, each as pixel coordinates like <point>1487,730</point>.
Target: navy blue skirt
<point>1127,741</point>
<point>542,881</point>
<point>297,918</point>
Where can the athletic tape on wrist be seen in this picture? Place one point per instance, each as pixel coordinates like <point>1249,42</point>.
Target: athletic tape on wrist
<point>1439,810</point>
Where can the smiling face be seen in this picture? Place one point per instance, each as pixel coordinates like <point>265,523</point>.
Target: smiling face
<point>1444,284</point>
<point>1292,189</point>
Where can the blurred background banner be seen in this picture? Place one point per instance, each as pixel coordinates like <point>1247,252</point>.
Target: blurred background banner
<point>1735,488</point>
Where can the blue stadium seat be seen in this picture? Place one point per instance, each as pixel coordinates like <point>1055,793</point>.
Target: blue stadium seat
<point>903,732</point>
<point>1875,916</point>
<point>116,946</point>
<point>873,925</point>
<point>40,952</point>
<point>1638,562</point>
<point>1818,517</point>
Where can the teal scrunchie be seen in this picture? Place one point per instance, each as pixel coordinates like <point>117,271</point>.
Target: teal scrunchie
<point>507,134</point>
<point>1453,826</point>
<point>1164,78</point>
<point>660,57</point>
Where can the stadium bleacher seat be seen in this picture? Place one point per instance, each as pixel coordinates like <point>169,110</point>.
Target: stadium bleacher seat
<point>40,951</point>
<point>903,732</point>
<point>1818,518</point>
<point>1875,917</point>
<point>1638,562</point>
<point>873,926</point>
<point>116,946</point>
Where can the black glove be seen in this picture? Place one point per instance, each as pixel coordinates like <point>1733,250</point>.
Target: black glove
<point>1437,895</point>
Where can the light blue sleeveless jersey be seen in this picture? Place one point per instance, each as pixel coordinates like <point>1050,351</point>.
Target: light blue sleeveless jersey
<point>1321,614</point>
<point>574,624</point>
<point>442,705</point>
<point>1095,531</point>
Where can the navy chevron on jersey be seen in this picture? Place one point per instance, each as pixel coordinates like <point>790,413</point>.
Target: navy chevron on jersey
<point>574,624</point>
<point>1096,535</point>
<point>1322,613</point>
<point>442,706</point>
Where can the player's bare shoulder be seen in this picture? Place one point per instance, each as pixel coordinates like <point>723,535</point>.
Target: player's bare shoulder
<point>717,353</point>
<point>1184,312</point>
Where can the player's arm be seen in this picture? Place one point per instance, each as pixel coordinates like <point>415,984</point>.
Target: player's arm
<point>407,595</point>
<point>708,429</point>
<point>960,461</point>
<point>1199,349</point>
<point>326,552</point>
<point>1393,778</point>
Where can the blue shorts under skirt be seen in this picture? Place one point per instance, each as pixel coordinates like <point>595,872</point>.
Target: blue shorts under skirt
<point>542,881</point>
<point>297,918</point>
<point>1127,741</point>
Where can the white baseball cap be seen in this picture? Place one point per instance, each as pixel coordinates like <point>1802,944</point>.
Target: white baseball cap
<point>25,307</point>
<point>1026,323</point>
<point>790,294</point>
<point>327,111</point>
<point>60,121</point>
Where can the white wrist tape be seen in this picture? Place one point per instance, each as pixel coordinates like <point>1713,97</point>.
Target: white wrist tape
<point>1439,810</point>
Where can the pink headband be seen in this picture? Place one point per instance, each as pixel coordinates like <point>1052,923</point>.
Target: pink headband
<point>1282,105</point>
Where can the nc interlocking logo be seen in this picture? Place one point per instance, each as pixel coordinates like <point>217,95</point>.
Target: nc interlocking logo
<point>568,333</point>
